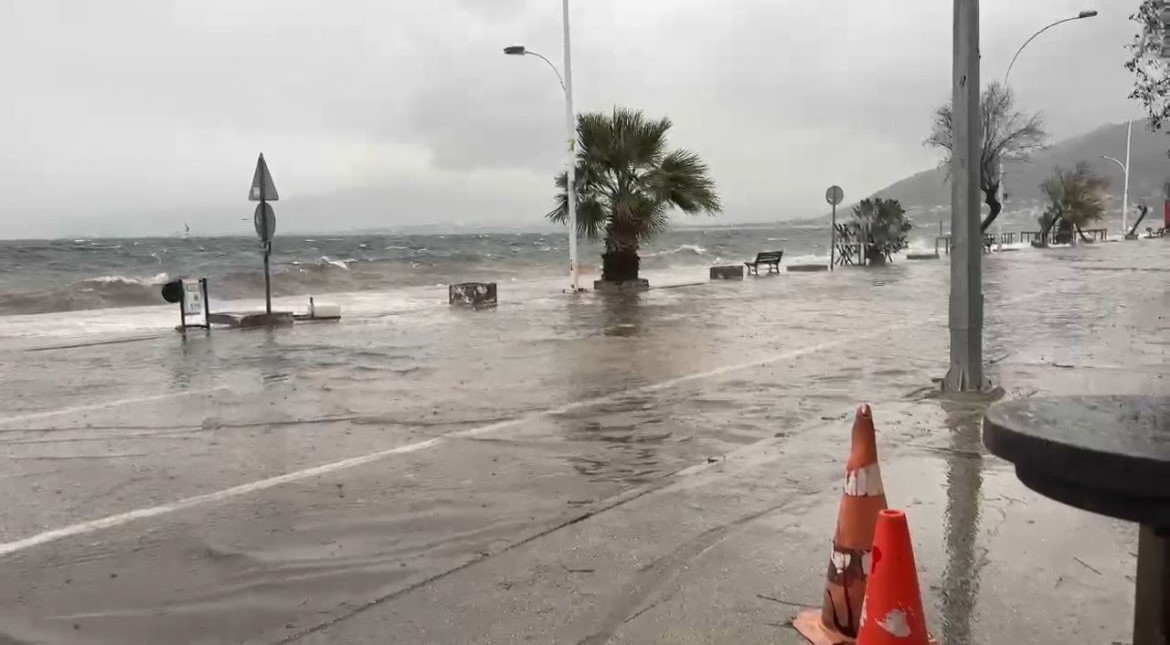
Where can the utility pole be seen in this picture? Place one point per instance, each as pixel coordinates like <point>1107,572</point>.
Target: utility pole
<point>571,170</point>
<point>966,300</point>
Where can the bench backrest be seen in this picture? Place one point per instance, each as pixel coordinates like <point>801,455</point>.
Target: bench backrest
<point>769,256</point>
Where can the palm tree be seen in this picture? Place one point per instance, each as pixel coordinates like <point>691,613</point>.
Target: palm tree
<point>627,182</point>
<point>1077,199</point>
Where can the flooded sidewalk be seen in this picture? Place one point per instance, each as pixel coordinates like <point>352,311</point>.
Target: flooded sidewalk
<point>656,468</point>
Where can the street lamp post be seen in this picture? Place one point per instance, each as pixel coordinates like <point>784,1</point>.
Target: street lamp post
<point>566,82</point>
<point>1125,169</point>
<point>1002,177</point>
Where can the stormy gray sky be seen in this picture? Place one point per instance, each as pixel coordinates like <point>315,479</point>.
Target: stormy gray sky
<point>131,117</point>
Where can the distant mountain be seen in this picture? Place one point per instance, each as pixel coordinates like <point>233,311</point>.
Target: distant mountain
<point>1150,169</point>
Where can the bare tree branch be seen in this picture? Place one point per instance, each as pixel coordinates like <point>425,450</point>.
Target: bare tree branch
<point>1008,135</point>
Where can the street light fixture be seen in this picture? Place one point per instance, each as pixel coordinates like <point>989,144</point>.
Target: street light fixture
<point>521,50</point>
<point>1080,16</point>
<point>566,82</point>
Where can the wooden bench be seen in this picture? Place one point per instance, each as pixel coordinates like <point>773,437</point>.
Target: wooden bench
<point>769,258</point>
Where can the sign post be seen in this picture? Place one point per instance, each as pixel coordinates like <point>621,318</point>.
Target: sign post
<point>191,296</point>
<point>264,191</point>
<point>834,196</point>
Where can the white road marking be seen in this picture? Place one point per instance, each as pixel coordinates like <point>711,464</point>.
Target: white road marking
<point>104,405</point>
<point>121,519</point>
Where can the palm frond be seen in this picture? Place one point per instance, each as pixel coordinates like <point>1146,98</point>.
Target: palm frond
<point>1077,196</point>
<point>591,211</point>
<point>682,180</point>
<point>627,181</point>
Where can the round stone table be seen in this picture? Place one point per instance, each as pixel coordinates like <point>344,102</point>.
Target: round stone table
<point>1108,455</point>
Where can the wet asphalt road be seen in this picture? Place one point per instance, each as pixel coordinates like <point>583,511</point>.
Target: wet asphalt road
<point>661,468</point>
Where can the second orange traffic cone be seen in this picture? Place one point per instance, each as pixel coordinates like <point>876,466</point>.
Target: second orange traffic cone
<point>839,619</point>
<point>893,603</point>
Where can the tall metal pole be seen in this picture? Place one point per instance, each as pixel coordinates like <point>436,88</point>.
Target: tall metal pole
<point>267,251</point>
<point>966,299</point>
<point>833,240</point>
<point>571,168</point>
<point>1125,196</point>
<point>268,282</point>
<point>1125,193</point>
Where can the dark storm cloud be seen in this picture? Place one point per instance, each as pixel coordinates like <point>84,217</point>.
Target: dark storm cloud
<point>127,116</point>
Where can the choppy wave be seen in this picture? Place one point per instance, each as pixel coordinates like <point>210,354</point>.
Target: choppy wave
<point>682,249</point>
<point>100,292</point>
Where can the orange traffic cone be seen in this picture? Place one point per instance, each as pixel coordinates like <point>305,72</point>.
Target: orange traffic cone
<point>893,604</point>
<point>839,619</point>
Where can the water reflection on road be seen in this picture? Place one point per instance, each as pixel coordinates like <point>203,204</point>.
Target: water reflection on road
<point>961,519</point>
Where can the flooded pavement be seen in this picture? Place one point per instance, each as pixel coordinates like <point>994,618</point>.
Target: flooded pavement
<point>654,468</point>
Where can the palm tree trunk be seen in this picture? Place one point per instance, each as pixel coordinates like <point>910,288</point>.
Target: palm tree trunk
<point>991,198</point>
<point>620,261</point>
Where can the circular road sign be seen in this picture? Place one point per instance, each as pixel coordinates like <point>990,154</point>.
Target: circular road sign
<point>834,195</point>
<point>265,221</point>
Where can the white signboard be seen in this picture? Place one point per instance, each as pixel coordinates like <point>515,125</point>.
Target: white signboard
<point>192,298</point>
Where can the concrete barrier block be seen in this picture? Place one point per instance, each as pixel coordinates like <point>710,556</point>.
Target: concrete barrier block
<point>604,286</point>
<point>734,272</point>
<point>251,320</point>
<point>806,268</point>
<point>472,294</point>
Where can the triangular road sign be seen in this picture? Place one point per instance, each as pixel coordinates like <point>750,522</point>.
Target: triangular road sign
<point>262,186</point>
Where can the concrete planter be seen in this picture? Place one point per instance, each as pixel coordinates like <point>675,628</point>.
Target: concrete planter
<point>472,294</point>
<point>734,272</point>
<point>625,286</point>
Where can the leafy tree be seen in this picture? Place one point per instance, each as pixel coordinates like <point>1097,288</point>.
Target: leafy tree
<point>1076,199</point>
<point>1008,135</point>
<point>627,183</point>
<point>885,225</point>
<point>1151,74</point>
